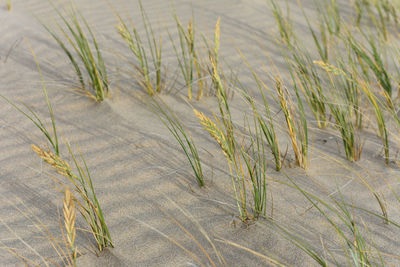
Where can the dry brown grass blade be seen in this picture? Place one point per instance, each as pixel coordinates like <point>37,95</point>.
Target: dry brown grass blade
<point>191,237</point>
<point>201,229</point>
<point>45,262</point>
<point>267,259</point>
<point>23,259</point>
<point>193,256</point>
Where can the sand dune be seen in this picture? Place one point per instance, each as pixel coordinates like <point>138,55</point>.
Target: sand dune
<point>136,164</point>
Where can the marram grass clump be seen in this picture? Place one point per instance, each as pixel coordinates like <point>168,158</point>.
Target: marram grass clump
<point>151,79</point>
<point>88,203</point>
<point>185,140</point>
<point>82,49</point>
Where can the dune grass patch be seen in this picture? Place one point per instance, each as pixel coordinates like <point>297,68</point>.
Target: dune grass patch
<point>82,182</point>
<point>77,40</point>
<point>175,127</point>
<point>343,85</point>
<point>89,205</point>
<point>188,56</point>
<point>296,122</point>
<point>150,68</point>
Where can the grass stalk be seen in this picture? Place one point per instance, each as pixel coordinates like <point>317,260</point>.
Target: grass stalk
<point>52,138</point>
<point>267,259</point>
<point>296,126</point>
<point>184,139</point>
<point>192,66</point>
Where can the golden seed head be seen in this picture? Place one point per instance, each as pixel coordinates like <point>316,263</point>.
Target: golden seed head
<point>55,161</point>
<point>213,130</point>
<point>69,216</point>
<point>330,68</point>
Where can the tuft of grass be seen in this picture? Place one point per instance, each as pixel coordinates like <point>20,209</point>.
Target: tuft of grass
<point>254,157</point>
<point>175,127</point>
<point>342,114</point>
<point>246,160</point>
<point>380,119</point>
<point>328,11</point>
<point>69,223</point>
<point>84,50</point>
<point>264,119</point>
<point>358,252</point>
<point>300,64</point>
<point>284,24</point>
<point>223,133</point>
<point>136,45</point>
<point>188,59</point>
<point>227,130</point>
<point>373,59</point>
<point>89,205</point>
<point>296,125</point>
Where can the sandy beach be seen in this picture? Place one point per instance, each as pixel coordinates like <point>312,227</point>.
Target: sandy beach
<point>141,175</point>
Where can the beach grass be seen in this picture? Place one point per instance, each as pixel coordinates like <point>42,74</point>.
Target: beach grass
<point>153,84</point>
<point>175,127</point>
<point>348,82</point>
<point>296,124</point>
<point>78,42</point>
<point>81,180</point>
<point>263,114</point>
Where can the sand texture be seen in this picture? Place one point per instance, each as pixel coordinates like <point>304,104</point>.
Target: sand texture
<point>139,171</point>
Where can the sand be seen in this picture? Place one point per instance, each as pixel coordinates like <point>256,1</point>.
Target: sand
<point>137,166</point>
